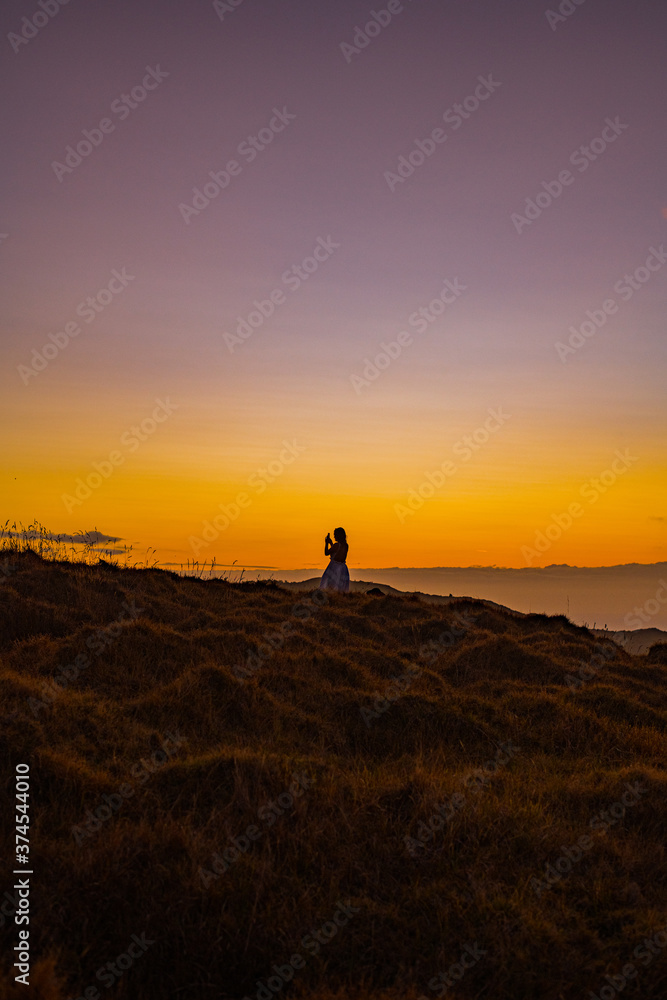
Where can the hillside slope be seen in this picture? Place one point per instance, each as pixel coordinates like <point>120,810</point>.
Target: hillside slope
<point>334,796</point>
<point>363,587</point>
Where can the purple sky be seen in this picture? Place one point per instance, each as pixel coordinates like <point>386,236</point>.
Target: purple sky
<point>324,176</point>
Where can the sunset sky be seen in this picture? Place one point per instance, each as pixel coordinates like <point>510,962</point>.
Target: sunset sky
<point>352,189</point>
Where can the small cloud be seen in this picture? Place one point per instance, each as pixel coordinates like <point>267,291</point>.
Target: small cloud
<point>82,538</point>
<point>660,520</point>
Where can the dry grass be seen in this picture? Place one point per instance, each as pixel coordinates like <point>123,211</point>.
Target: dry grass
<point>169,668</point>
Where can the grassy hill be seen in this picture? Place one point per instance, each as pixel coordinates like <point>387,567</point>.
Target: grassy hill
<point>243,791</point>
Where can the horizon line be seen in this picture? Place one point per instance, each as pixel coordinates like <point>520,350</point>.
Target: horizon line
<point>476,566</point>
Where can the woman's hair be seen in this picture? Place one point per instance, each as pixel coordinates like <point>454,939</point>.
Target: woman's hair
<point>339,534</point>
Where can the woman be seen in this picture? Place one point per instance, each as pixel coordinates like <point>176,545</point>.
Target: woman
<point>336,576</point>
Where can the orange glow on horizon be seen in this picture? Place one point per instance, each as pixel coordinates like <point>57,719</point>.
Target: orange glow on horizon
<point>481,517</point>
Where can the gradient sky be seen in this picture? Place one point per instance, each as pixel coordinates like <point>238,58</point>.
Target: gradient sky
<point>360,453</point>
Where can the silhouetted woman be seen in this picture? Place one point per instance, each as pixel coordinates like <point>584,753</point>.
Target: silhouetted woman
<point>336,576</point>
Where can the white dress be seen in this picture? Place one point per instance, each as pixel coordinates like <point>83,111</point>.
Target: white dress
<point>336,577</point>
